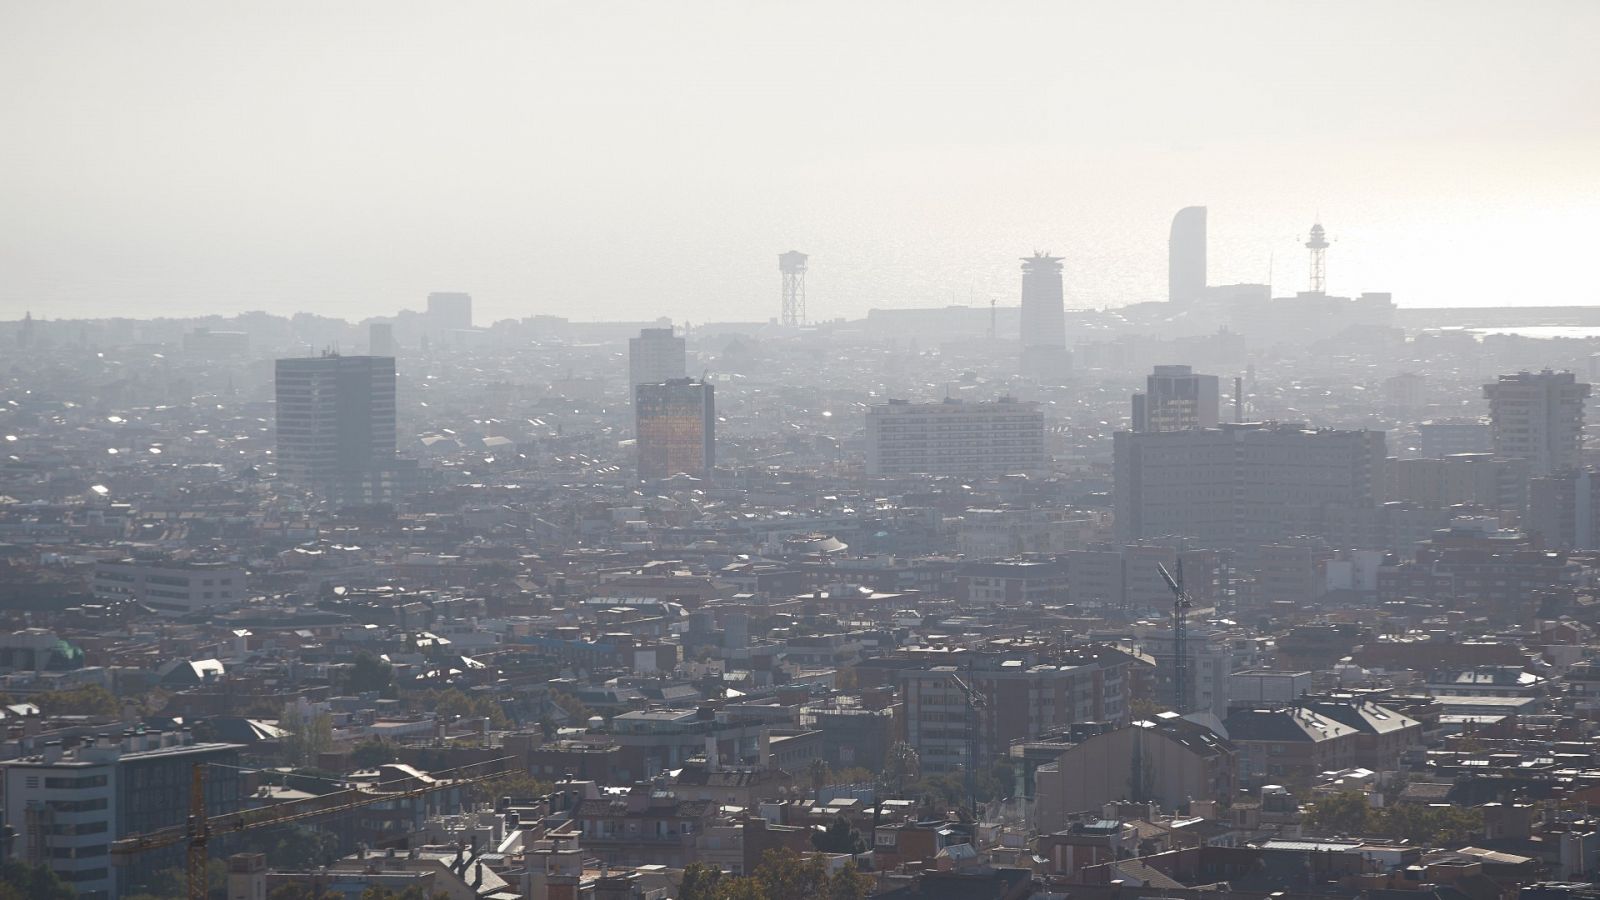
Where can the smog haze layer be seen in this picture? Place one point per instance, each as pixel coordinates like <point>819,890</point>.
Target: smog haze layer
<point>629,160</point>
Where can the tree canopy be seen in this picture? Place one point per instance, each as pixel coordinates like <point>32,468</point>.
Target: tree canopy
<point>21,881</point>
<point>782,875</point>
<point>369,674</point>
<point>89,700</point>
<point>839,837</point>
<point>1348,813</point>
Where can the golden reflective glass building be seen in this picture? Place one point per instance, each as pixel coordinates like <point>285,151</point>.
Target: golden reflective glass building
<point>675,427</point>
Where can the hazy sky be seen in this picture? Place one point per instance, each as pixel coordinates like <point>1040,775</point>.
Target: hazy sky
<point>629,160</point>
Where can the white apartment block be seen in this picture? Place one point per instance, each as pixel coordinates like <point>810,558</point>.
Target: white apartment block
<point>952,437</point>
<point>172,589</point>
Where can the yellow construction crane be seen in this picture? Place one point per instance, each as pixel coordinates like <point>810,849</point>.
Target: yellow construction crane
<point>196,833</point>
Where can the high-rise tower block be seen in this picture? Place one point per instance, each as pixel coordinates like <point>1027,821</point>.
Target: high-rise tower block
<point>1186,255</point>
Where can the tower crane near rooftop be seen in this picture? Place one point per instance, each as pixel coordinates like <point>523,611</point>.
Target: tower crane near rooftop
<point>197,833</point>
<point>975,702</point>
<point>1180,638</point>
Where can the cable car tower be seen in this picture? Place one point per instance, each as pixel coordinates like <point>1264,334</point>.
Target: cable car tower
<point>1318,245</point>
<point>793,267</point>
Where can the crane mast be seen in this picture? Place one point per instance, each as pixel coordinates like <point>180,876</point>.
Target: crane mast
<point>975,702</point>
<point>1180,638</point>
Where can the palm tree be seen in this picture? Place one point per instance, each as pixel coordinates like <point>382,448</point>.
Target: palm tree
<point>820,772</point>
<point>901,765</point>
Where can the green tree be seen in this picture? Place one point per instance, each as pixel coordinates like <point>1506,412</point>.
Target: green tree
<point>785,875</point>
<point>1428,824</point>
<point>572,706</point>
<point>518,785</point>
<point>849,883</point>
<point>819,772</point>
<point>369,674</point>
<point>308,737</point>
<point>173,883</point>
<point>901,767</point>
<point>1346,812</point>
<point>1146,708</point>
<point>855,775</point>
<point>301,892</point>
<point>371,753</point>
<point>29,882</point>
<point>939,792</point>
<point>415,892</point>
<point>839,837</point>
<point>700,882</point>
<point>454,703</point>
<point>89,700</point>
<point>298,849</point>
<point>996,783</point>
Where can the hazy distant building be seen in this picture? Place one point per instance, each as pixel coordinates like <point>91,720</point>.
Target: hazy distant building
<point>1165,759</point>
<point>1438,438</point>
<point>655,356</point>
<point>1186,255</point>
<point>1127,578</point>
<point>1241,486</point>
<point>1564,510</point>
<point>380,339</point>
<point>955,438</point>
<point>1023,697</point>
<point>1012,531</point>
<point>1308,315</point>
<point>1405,392</point>
<point>1538,417</point>
<point>1044,318</point>
<point>1246,295</point>
<point>675,422</point>
<point>1176,398</point>
<point>1474,479</point>
<point>170,588</point>
<point>203,343</point>
<point>449,311</point>
<point>1210,656</point>
<point>336,423</point>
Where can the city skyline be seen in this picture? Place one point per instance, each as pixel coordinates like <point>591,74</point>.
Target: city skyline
<point>1159,461</point>
<point>1447,165</point>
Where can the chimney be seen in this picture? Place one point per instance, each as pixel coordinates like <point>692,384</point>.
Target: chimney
<point>765,743</point>
<point>712,761</point>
